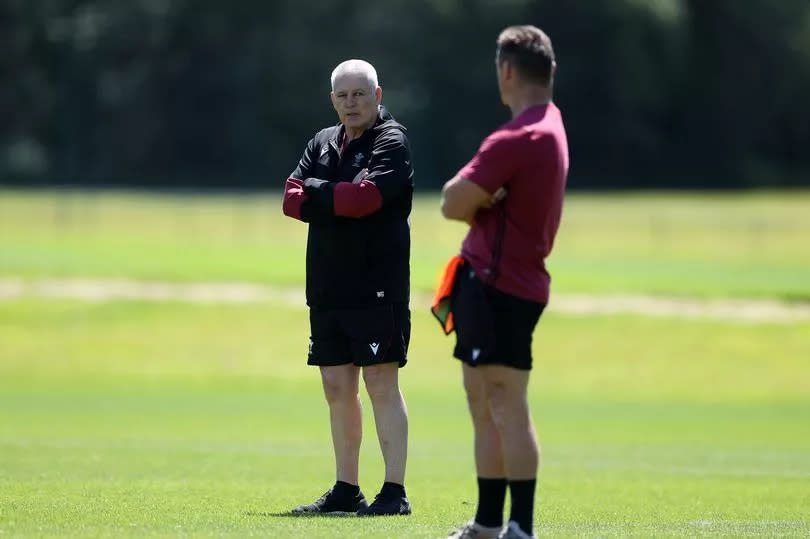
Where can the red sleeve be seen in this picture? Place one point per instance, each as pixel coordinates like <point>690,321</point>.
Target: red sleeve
<point>294,196</point>
<point>357,199</point>
<point>494,164</point>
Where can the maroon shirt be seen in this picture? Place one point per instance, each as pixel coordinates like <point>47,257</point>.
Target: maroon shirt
<point>510,241</point>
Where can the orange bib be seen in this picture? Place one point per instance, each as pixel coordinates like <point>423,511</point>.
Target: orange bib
<point>441,306</point>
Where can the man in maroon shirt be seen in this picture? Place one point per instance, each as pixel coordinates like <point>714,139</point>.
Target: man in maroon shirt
<point>511,194</point>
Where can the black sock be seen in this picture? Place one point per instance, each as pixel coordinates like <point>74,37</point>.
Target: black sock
<point>522,493</point>
<point>394,489</point>
<point>491,495</point>
<point>342,488</point>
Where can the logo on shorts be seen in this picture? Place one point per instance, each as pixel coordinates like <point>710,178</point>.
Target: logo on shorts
<point>310,346</point>
<point>380,293</point>
<point>374,347</point>
<point>475,353</point>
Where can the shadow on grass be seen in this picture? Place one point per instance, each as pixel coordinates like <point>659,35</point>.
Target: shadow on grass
<point>290,514</point>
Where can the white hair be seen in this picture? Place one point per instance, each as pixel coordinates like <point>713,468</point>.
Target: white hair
<point>356,67</point>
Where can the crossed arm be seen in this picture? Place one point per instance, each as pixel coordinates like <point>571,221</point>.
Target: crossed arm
<point>482,182</point>
<point>461,199</point>
<point>313,199</point>
<point>316,200</point>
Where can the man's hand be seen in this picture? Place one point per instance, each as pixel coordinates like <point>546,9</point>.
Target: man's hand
<point>313,185</point>
<point>360,176</point>
<point>499,195</point>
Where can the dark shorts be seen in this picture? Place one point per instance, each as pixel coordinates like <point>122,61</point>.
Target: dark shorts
<point>492,327</point>
<point>362,336</point>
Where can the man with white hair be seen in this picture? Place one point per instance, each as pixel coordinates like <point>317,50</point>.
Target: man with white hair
<point>354,187</point>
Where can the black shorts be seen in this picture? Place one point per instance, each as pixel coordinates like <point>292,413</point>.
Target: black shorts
<point>492,327</point>
<point>363,336</point>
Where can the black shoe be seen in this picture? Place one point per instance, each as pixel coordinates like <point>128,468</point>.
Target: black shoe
<point>386,503</point>
<point>333,503</point>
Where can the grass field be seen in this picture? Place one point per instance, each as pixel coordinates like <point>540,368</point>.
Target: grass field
<point>683,244</point>
<point>166,418</point>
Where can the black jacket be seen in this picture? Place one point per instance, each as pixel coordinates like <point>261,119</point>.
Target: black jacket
<point>365,259</point>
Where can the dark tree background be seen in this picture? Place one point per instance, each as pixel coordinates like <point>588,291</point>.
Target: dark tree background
<point>205,93</point>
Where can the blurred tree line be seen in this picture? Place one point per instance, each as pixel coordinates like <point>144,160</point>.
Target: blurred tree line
<point>171,93</point>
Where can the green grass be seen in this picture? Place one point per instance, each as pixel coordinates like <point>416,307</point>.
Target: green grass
<point>133,418</point>
<point>743,245</point>
<point>136,418</point>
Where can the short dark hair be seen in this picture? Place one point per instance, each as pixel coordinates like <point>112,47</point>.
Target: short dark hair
<point>529,49</point>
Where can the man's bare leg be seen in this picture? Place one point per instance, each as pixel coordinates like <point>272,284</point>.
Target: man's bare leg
<point>340,387</point>
<point>506,390</point>
<point>390,418</point>
<point>488,449</point>
<point>489,462</point>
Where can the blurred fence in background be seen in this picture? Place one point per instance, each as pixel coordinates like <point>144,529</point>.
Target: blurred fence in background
<point>158,93</point>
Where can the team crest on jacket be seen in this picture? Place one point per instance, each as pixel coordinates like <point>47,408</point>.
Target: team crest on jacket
<point>358,160</point>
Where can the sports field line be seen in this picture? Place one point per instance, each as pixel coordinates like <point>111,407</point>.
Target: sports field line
<point>741,310</point>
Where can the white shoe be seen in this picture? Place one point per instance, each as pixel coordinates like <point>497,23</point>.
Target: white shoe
<point>472,529</point>
<point>513,531</point>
